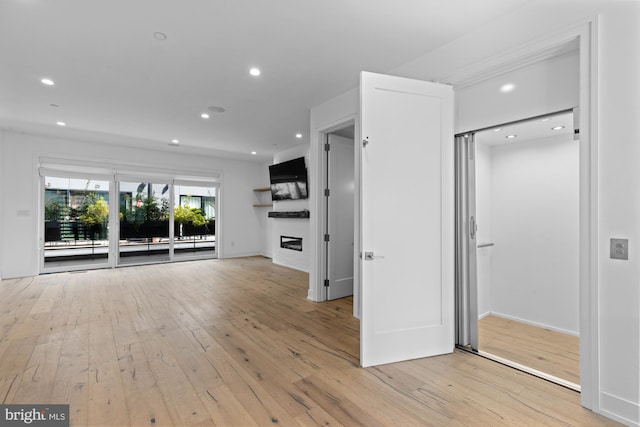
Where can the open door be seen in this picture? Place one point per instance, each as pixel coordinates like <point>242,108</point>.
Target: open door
<point>407,219</point>
<point>340,207</point>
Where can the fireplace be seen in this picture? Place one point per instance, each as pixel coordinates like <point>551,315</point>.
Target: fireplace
<point>293,243</point>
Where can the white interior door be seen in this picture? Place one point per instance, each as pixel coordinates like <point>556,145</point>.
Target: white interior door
<point>407,219</point>
<point>340,204</point>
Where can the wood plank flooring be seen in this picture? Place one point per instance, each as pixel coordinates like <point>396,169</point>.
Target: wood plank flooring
<point>548,351</point>
<point>235,342</point>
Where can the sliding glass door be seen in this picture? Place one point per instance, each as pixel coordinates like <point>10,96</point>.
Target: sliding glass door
<point>97,220</point>
<point>144,218</point>
<point>194,221</point>
<point>76,223</point>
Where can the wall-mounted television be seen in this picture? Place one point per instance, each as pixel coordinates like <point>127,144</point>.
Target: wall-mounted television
<point>289,180</point>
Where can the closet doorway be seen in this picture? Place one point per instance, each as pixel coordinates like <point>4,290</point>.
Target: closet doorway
<point>519,184</point>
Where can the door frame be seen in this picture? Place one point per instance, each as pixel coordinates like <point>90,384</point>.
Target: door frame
<point>318,170</point>
<point>331,171</point>
<point>586,36</point>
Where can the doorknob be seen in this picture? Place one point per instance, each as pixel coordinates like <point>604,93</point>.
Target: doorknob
<point>369,256</point>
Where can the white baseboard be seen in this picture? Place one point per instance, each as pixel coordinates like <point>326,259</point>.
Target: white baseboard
<point>539,325</point>
<point>241,254</point>
<point>621,410</point>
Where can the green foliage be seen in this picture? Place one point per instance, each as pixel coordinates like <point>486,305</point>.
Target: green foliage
<point>96,212</point>
<point>55,210</point>
<point>186,214</point>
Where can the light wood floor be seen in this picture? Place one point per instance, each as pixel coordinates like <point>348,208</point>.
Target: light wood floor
<point>235,343</point>
<point>548,351</point>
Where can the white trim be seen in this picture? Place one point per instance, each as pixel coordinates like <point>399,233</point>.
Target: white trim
<point>625,411</point>
<point>316,277</point>
<point>529,370</point>
<point>586,35</point>
<point>109,167</point>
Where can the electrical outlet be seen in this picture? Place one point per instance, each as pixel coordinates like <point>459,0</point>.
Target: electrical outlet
<point>619,249</point>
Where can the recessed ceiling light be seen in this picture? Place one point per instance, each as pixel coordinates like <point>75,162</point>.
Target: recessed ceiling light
<point>255,72</point>
<point>47,82</point>
<point>497,129</point>
<point>298,135</point>
<point>546,119</point>
<point>204,115</point>
<point>159,36</point>
<point>174,142</point>
<point>61,123</point>
<point>557,127</point>
<point>511,136</point>
<point>508,87</point>
<point>254,153</point>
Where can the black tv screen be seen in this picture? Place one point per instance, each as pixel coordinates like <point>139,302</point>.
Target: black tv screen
<point>289,180</point>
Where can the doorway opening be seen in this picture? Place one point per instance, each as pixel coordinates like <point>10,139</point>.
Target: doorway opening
<point>518,232</point>
<point>339,207</point>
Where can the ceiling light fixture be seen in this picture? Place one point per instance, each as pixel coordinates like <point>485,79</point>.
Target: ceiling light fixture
<point>511,136</point>
<point>159,36</point>
<point>546,119</point>
<point>174,142</point>
<point>61,123</point>
<point>47,82</point>
<point>204,115</point>
<point>508,87</point>
<point>255,72</point>
<point>254,153</point>
<point>216,109</point>
<point>298,135</point>
<point>497,129</point>
<point>557,128</point>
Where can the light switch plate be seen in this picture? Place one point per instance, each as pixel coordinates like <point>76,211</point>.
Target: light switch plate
<point>619,249</point>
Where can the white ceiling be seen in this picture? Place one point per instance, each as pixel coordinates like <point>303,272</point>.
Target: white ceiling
<point>113,77</point>
<point>556,126</point>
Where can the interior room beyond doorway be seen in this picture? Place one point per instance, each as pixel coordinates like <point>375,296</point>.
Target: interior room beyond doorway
<point>527,215</point>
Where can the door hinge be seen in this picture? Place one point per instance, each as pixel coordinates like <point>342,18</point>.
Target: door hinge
<point>326,282</point>
<point>327,192</point>
<point>326,237</point>
<point>327,147</point>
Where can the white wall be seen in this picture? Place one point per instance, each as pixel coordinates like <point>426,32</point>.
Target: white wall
<point>540,88</point>
<point>534,223</point>
<point>266,224</point>
<point>293,227</point>
<point>240,228</point>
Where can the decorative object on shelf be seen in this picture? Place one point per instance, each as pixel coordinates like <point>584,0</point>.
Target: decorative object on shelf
<point>289,214</point>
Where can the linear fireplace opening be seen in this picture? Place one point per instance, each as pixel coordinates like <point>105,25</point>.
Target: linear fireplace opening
<point>293,243</point>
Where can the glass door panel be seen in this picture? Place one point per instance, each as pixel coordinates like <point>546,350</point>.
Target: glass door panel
<point>194,221</point>
<point>76,222</point>
<point>144,222</point>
